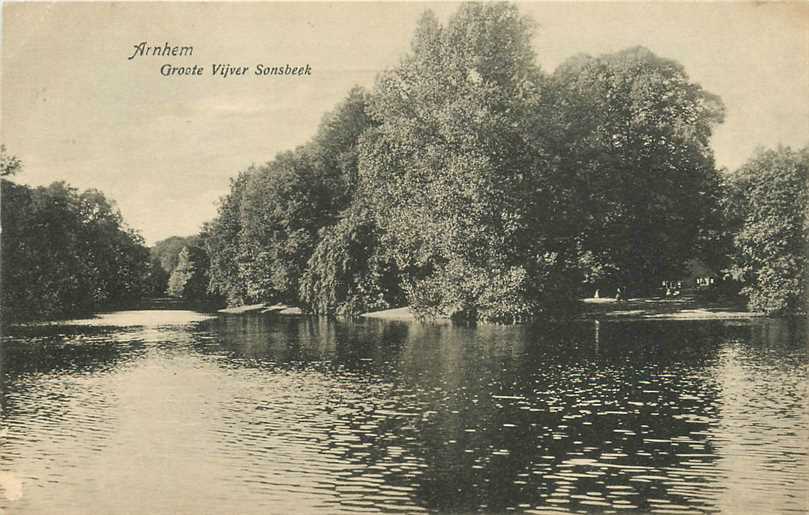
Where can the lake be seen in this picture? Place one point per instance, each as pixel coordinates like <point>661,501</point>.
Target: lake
<point>185,412</point>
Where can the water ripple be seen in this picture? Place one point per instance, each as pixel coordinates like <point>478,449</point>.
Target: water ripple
<point>183,413</point>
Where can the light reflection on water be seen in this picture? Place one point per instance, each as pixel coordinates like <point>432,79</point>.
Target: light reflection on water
<point>165,412</point>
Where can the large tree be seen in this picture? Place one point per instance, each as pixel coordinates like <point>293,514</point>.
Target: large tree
<point>769,203</point>
<point>634,132</point>
<point>457,174</point>
<point>283,208</point>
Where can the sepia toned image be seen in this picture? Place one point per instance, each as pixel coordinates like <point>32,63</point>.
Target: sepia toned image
<point>403,257</point>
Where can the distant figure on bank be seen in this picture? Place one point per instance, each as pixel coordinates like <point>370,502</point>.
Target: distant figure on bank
<point>595,296</point>
<point>619,294</point>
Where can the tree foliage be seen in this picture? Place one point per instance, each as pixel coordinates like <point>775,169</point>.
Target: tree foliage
<point>164,256</point>
<point>470,183</point>
<point>769,202</point>
<point>268,225</point>
<point>190,278</point>
<point>457,174</point>
<point>348,273</point>
<point>66,252</point>
<point>222,244</point>
<point>9,164</point>
<point>634,134</point>
<point>167,252</point>
<point>158,279</point>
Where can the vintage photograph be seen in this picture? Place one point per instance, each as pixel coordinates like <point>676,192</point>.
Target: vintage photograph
<point>403,257</point>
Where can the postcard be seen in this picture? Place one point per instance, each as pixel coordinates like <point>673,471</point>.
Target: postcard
<point>333,257</point>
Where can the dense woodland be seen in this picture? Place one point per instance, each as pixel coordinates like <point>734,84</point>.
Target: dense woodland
<point>468,183</point>
<point>471,183</point>
<point>65,252</point>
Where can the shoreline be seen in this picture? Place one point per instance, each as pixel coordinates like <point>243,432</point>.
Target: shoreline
<point>600,309</point>
<point>642,308</point>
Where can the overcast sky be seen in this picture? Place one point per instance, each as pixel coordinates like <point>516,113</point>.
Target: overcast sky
<point>75,108</point>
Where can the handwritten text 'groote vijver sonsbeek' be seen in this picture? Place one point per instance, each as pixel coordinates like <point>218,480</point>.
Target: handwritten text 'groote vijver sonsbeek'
<point>227,71</point>
<point>221,70</point>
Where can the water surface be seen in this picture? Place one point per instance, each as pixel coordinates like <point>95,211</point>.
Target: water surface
<point>182,412</point>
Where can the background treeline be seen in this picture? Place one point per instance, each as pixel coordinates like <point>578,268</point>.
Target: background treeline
<point>471,183</point>
<point>183,267</point>
<point>65,252</point>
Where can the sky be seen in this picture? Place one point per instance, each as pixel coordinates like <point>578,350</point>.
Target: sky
<point>73,107</point>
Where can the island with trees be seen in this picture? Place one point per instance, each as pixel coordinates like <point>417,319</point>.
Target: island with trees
<point>467,183</point>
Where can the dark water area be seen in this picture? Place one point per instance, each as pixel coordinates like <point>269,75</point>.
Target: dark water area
<point>182,412</point>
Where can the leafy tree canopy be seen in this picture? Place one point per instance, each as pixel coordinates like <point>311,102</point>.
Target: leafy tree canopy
<point>769,196</point>
<point>268,225</point>
<point>189,280</point>
<point>456,173</point>
<point>66,252</point>
<point>167,251</point>
<point>635,133</point>
<point>9,164</point>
